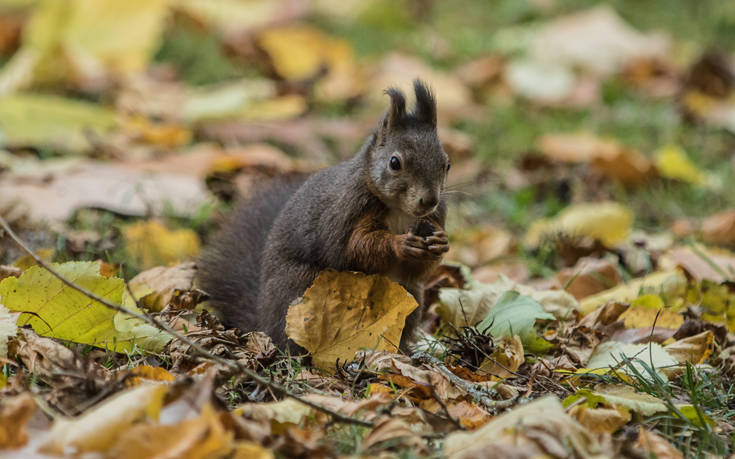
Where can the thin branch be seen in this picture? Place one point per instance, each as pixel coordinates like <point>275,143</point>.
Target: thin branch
<point>234,365</point>
<point>478,394</point>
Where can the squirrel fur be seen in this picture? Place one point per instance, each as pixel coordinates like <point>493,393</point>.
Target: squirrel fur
<point>380,212</point>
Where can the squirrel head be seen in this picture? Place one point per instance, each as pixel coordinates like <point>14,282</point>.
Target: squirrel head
<point>407,164</point>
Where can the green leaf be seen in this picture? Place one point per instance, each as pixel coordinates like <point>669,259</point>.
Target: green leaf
<point>515,314</point>
<point>56,310</point>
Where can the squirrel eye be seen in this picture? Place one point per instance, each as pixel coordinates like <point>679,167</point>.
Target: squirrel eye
<point>395,163</point>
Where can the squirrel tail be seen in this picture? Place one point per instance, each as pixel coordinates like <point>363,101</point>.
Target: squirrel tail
<point>229,269</point>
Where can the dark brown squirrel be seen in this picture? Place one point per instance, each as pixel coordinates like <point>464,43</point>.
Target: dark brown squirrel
<point>380,212</point>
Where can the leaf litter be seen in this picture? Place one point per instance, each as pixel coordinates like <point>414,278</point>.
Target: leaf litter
<point>570,323</point>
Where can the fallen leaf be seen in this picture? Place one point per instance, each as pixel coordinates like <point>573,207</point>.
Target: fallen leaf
<point>668,284</point>
<point>601,419</point>
<point>286,411</point>
<point>673,163</point>
<point>606,155</point>
<point>656,446</point>
<point>164,283</point>
<point>114,187</point>
<point>14,415</point>
<point>515,314</point>
<point>62,312</point>
<point>151,244</point>
<point>611,355</point>
<point>148,373</point>
<point>99,428</point>
<point>703,264</point>
<point>62,42</point>
<point>597,40</point>
<point>649,309</point>
<point>45,121</point>
<point>235,17</point>
<point>199,438</point>
<point>541,425</point>
<point>468,306</point>
<point>589,276</point>
<point>507,357</point>
<point>608,222</point>
<point>640,402</point>
<point>344,312</point>
<point>719,229</point>
<point>694,349</point>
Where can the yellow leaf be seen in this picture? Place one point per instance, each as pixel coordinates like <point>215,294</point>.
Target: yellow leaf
<point>670,284</point>
<point>601,420</point>
<point>27,261</point>
<point>640,402</point>
<point>99,428</point>
<point>147,372</point>
<point>79,41</point>
<point>62,312</point>
<point>672,162</point>
<point>46,121</point>
<point>608,222</point>
<point>505,360</point>
<point>152,244</point>
<point>343,312</point>
<point>694,349</point>
<point>648,309</point>
<point>199,438</point>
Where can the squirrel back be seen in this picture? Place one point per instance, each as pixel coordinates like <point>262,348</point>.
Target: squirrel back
<point>379,212</point>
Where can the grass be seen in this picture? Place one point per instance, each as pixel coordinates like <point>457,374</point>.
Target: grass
<point>695,402</point>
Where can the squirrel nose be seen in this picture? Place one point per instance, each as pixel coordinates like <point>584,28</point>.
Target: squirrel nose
<point>429,201</point>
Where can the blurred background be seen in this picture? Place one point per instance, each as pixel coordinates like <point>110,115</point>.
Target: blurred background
<point>575,128</point>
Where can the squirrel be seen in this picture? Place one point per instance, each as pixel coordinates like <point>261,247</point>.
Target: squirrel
<point>380,212</point>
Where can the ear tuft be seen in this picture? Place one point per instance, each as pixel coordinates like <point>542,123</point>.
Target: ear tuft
<point>397,111</point>
<point>425,103</point>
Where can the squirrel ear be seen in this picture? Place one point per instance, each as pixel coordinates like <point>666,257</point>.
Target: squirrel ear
<point>397,111</point>
<point>425,103</point>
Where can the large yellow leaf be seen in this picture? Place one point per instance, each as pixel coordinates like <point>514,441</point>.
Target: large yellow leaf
<point>669,284</point>
<point>343,312</point>
<point>609,222</point>
<point>672,162</point>
<point>59,311</point>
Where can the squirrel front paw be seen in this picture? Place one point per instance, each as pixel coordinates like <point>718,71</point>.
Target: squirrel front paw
<point>411,247</point>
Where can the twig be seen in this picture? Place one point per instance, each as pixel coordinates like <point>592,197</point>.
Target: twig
<point>476,393</point>
<point>234,365</point>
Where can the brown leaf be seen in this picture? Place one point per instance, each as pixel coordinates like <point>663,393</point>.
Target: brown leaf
<point>601,420</point>
<point>655,445</point>
<point>14,415</point>
<point>589,276</point>
<point>715,265</point>
<point>694,349</point>
<point>166,283</point>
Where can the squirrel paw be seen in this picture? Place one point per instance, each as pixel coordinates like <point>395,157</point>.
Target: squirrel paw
<point>416,248</point>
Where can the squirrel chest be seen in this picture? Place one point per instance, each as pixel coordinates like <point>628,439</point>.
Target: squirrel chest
<point>398,222</point>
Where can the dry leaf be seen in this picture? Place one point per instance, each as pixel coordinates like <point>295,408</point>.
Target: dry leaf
<point>343,312</point>
<point>108,186</point>
<point>600,420</point>
<point>608,222</point>
<point>606,155</point>
<point>655,445</point>
<point>666,283</point>
<point>694,349</point>
<point>703,264</point>
<point>589,276</point>
<point>505,360</point>
<point>165,282</point>
<point>719,229</point>
<point>542,425</point>
<point>99,428</point>
<point>14,415</point>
